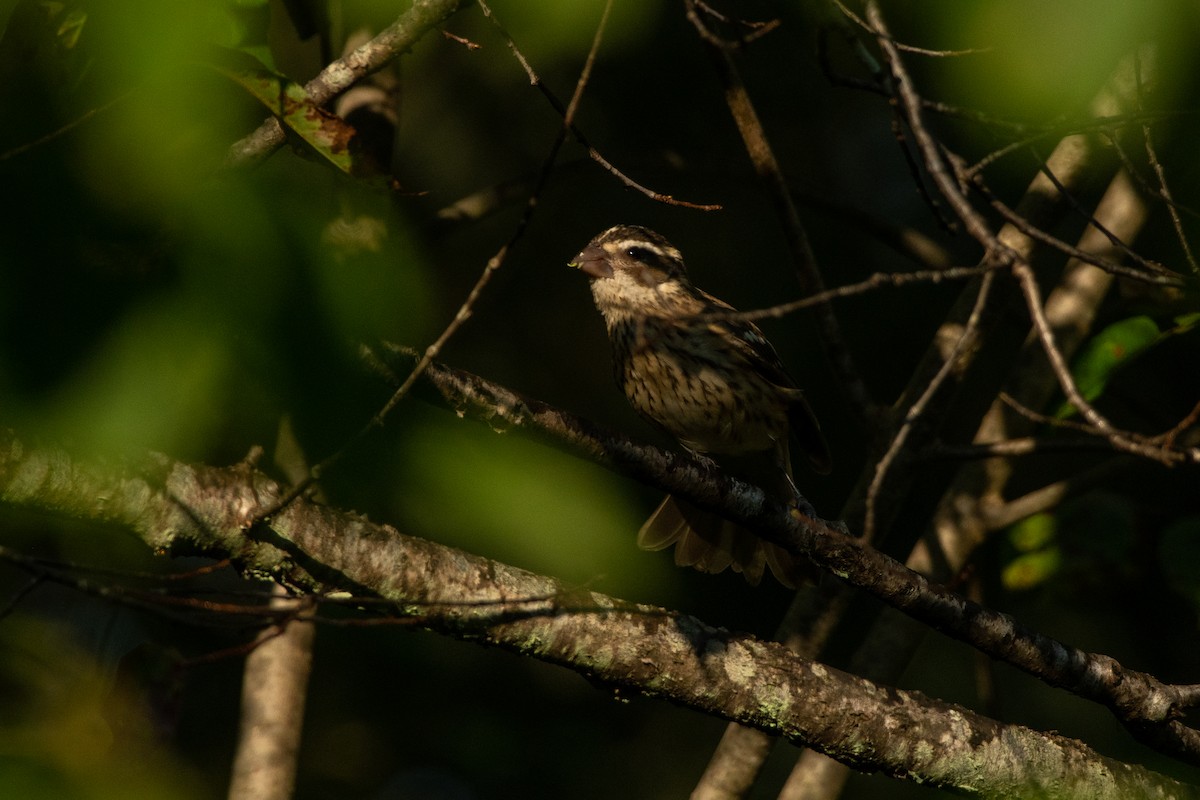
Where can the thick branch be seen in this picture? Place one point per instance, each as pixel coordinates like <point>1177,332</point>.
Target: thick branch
<point>177,507</point>
<point>1145,705</point>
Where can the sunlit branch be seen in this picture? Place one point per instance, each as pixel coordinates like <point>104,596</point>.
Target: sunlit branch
<point>393,41</point>
<point>318,549</point>
<point>1143,703</point>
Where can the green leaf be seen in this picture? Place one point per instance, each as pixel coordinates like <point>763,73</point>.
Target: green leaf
<point>1105,353</point>
<point>1031,569</point>
<point>1033,533</point>
<point>326,134</point>
<point>1035,539</point>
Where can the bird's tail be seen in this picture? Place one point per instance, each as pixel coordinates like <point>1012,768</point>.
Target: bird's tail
<point>711,543</point>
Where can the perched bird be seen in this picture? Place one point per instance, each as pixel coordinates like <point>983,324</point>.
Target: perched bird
<point>716,385</point>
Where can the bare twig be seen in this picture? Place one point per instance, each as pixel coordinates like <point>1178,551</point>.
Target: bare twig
<point>896,447</point>
<point>1119,439</point>
<point>465,42</point>
<point>1189,420</point>
<point>493,264</point>
<point>767,167</point>
<point>872,283</point>
<point>1155,275</point>
<point>1149,188</point>
<point>908,48</point>
<point>63,130</point>
<point>1161,174</point>
<point>568,116</point>
<point>497,260</point>
<point>1118,245</point>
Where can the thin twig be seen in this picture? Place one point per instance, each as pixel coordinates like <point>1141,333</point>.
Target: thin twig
<point>932,154</point>
<point>915,412</point>
<point>568,116</point>
<point>1161,174</point>
<point>872,283</point>
<point>11,605</point>
<point>1158,275</point>
<point>914,170</point>
<point>62,130</point>
<point>1149,188</point>
<point>908,48</point>
<point>1189,419</point>
<point>1116,241</point>
<point>1119,439</point>
<point>493,264</point>
<point>758,148</point>
<point>1106,125</point>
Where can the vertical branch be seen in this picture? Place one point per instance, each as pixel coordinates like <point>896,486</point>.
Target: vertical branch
<point>493,264</point>
<point>952,361</point>
<point>274,686</point>
<point>1076,161</point>
<point>1161,174</point>
<point>965,514</point>
<point>275,678</point>
<point>767,168</point>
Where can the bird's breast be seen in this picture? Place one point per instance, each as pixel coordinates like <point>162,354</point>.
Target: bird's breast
<point>700,395</point>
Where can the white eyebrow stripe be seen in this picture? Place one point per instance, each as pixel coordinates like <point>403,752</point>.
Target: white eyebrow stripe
<point>669,253</point>
<point>642,243</point>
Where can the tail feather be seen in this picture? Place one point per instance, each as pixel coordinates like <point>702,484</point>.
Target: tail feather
<point>712,544</point>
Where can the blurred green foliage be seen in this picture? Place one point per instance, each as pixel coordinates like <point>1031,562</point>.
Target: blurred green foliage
<point>1042,61</point>
<point>1089,540</point>
<point>1038,556</point>
<point>153,298</point>
<point>538,509</point>
<point>70,731</point>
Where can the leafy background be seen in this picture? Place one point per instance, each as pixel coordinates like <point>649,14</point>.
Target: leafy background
<point>151,298</point>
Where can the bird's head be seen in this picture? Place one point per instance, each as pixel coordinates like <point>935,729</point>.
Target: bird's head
<point>633,270</point>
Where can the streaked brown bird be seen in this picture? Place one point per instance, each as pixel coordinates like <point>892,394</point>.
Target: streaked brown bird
<point>716,385</point>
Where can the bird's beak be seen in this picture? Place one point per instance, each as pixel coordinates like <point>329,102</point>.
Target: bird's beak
<point>593,262</point>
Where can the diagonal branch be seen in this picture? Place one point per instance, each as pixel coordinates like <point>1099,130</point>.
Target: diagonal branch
<point>466,309</point>
<point>182,508</point>
<point>942,170</point>
<point>758,148</point>
<point>1149,708</point>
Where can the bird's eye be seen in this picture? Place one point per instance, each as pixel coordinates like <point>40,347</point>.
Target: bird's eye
<point>638,254</point>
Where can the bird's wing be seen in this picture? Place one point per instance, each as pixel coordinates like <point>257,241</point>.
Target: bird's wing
<point>753,348</point>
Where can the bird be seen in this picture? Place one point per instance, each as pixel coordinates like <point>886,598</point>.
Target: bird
<point>711,381</point>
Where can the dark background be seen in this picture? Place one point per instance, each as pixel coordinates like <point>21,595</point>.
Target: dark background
<point>151,299</point>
